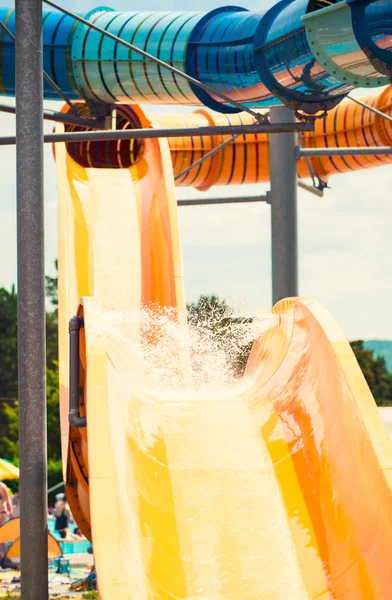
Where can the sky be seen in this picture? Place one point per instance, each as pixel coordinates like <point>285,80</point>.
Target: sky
<point>345,241</point>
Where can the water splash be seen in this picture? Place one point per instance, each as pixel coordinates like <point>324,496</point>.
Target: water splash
<point>206,349</point>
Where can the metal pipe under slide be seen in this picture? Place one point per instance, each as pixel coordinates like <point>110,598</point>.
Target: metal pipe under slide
<point>232,200</point>
<point>246,199</point>
<point>381,150</point>
<point>74,417</point>
<point>143,134</point>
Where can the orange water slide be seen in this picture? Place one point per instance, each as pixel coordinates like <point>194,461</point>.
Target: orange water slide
<point>247,161</point>
<point>279,487</point>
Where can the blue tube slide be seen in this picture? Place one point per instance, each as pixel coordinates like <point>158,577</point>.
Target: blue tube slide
<point>301,53</point>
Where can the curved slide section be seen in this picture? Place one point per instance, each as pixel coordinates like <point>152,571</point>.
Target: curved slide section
<point>246,160</point>
<point>280,487</point>
<point>299,52</point>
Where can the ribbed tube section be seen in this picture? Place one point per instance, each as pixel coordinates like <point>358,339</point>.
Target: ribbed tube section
<point>246,159</point>
<point>287,65</point>
<point>307,54</point>
<point>115,154</point>
<point>58,31</point>
<point>353,125</point>
<point>220,53</point>
<point>107,72</point>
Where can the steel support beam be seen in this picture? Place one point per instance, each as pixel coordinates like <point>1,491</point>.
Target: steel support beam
<point>283,200</point>
<point>373,151</point>
<point>232,200</point>
<point>150,133</point>
<point>59,117</point>
<point>31,301</point>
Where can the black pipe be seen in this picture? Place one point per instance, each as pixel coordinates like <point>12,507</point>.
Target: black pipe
<point>74,417</point>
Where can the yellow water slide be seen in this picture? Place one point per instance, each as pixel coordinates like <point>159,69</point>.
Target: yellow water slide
<point>277,488</point>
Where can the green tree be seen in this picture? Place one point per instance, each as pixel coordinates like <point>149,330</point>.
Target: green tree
<point>8,344</point>
<point>52,287</point>
<point>378,377</point>
<point>53,413</point>
<point>214,314</point>
<point>9,379</point>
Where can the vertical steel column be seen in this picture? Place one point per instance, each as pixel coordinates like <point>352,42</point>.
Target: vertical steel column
<point>283,198</point>
<point>31,300</point>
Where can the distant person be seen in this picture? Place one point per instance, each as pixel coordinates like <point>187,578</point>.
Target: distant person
<point>62,515</point>
<point>6,510</point>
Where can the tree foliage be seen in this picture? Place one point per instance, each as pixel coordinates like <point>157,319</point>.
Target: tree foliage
<point>214,314</point>
<point>52,287</point>
<point>378,377</point>
<point>9,448</point>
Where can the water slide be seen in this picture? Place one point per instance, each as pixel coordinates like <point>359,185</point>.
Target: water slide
<point>307,54</point>
<point>246,160</point>
<point>278,486</point>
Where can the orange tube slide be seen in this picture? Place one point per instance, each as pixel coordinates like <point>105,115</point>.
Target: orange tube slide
<point>246,160</point>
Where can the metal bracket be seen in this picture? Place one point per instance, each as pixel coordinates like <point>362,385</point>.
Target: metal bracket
<point>74,417</point>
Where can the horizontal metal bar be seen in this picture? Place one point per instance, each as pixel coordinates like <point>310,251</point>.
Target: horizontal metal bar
<point>143,134</point>
<point>377,112</point>
<point>245,199</point>
<point>233,200</point>
<point>373,151</point>
<point>66,118</point>
<point>258,116</point>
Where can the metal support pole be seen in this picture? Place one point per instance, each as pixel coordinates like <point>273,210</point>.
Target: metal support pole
<point>31,301</point>
<point>283,199</point>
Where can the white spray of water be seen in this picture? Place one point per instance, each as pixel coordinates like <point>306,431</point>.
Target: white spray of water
<point>208,354</point>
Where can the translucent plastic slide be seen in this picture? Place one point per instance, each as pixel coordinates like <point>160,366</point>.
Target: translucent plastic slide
<point>278,487</point>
